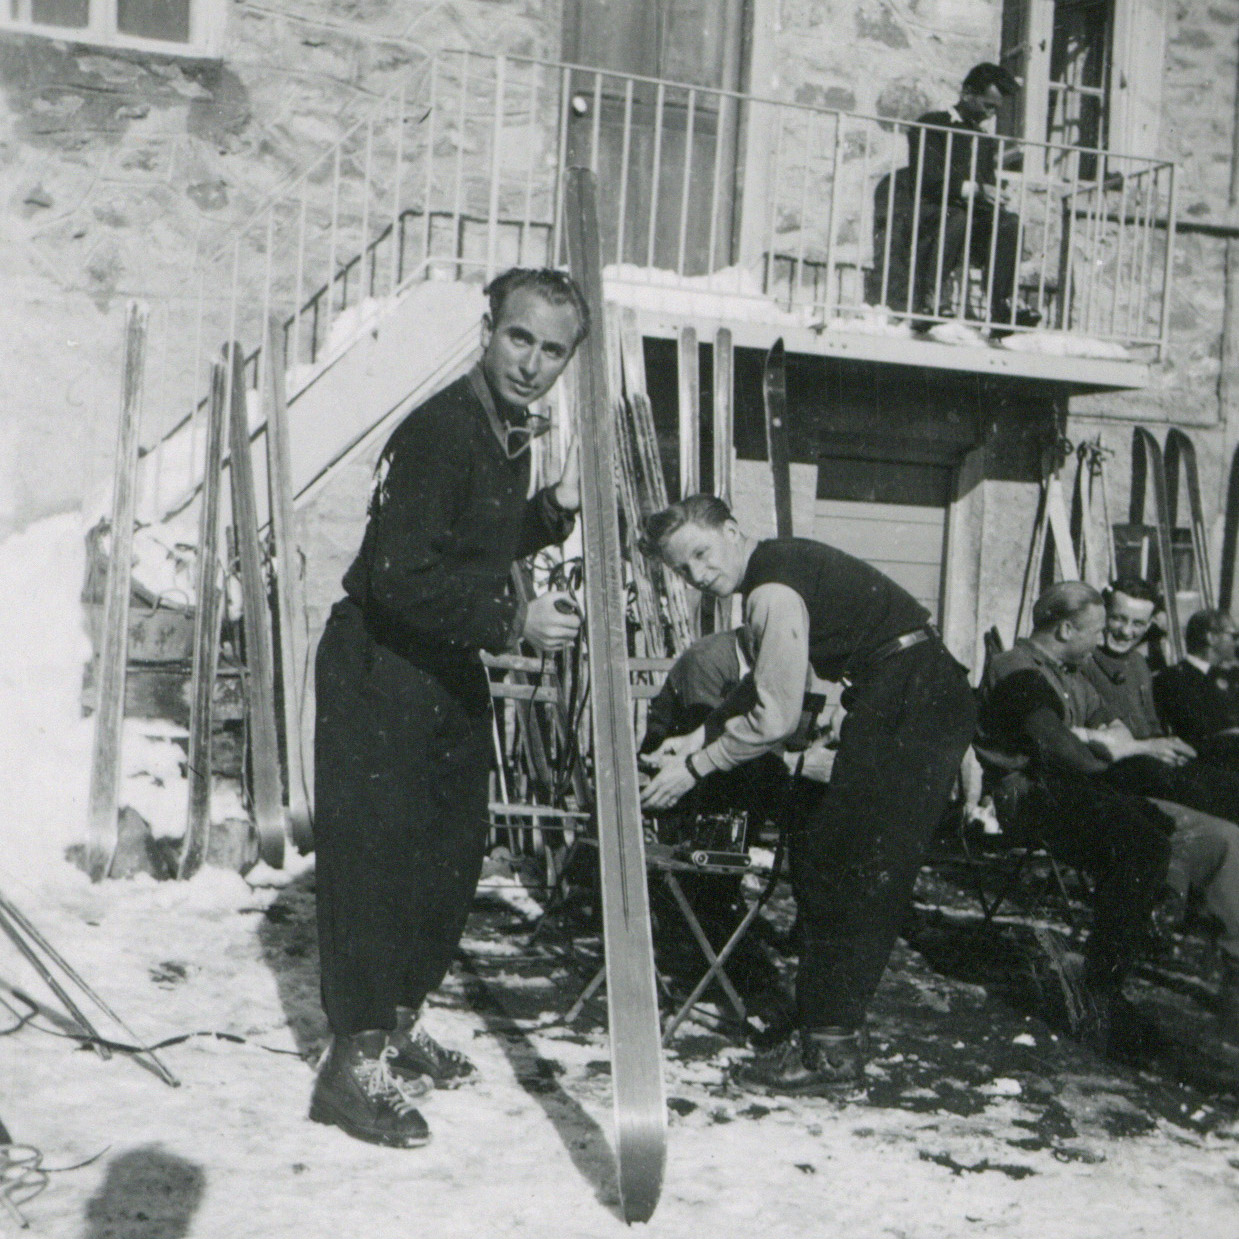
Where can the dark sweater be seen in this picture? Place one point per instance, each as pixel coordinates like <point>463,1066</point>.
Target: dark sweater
<point>448,517</point>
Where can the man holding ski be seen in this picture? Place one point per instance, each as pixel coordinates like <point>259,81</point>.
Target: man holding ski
<point>813,612</point>
<point>403,713</point>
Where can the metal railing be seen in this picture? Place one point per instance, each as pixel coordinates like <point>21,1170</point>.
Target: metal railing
<point>834,216</point>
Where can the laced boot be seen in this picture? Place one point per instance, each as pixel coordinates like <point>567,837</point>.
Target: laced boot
<point>419,1057</point>
<point>1228,1002</point>
<point>813,1063</point>
<point>357,1091</point>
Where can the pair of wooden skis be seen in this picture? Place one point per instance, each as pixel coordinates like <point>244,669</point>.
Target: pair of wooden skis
<point>227,415</point>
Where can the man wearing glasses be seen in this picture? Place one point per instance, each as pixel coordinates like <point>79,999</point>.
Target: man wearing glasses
<point>403,714</point>
<point>960,204</point>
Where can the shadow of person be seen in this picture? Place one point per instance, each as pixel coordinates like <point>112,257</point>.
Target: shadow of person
<point>148,1193</point>
<point>288,937</point>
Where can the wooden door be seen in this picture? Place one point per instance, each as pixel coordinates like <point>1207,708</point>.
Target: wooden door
<point>665,154</point>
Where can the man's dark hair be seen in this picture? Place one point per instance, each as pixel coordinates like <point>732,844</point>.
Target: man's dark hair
<point>705,510</point>
<point>1203,625</point>
<point>1132,586</point>
<point>557,287</point>
<point>981,77</point>
<point>1066,600</point>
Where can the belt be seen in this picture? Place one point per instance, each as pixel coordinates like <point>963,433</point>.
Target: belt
<point>888,649</point>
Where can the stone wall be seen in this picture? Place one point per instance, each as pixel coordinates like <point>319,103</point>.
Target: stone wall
<point>114,166</point>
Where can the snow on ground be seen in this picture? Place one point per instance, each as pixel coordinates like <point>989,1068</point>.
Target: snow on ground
<point>227,965</point>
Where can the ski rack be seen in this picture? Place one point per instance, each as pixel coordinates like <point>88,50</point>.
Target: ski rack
<point>1146,462</point>
<point>632,997</point>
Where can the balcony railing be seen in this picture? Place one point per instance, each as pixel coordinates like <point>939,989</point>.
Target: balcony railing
<point>841,219</point>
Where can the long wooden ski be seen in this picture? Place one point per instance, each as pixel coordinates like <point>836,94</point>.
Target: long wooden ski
<point>632,999</point>
<point>208,610</point>
<point>266,789</point>
<point>105,767</point>
<point>688,370</point>
<point>774,396</point>
<point>652,484</point>
<point>289,589</point>
<point>727,610</point>
<point>1181,451</point>
<point>1147,462</point>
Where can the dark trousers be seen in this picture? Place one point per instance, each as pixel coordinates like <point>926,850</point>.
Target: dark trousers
<point>400,786</point>
<point>857,842</point>
<point>1000,236</point>
<point>1121,841</point>
<point>1196,784</point>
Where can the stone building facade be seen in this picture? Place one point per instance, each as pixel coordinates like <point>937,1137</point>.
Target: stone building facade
<point>117,165</point>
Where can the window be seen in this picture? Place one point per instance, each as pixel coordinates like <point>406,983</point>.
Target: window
<point>1091,71</point>
<point>179,27</point>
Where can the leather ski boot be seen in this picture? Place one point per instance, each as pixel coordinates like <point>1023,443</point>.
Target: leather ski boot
<point>418,1056</point>
<point>813,1063</point>
<point>357,1091</point>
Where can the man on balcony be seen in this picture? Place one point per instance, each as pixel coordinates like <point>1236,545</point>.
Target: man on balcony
<point>953,202</point>
<point>403,712</point>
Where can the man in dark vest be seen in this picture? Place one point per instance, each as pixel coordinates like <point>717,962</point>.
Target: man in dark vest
<point>813,613</point>
<point>403,723</point>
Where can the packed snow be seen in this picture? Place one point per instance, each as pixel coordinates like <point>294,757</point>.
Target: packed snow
<point>224,967</point>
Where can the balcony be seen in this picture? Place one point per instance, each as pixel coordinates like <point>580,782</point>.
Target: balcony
<point>836,230</point>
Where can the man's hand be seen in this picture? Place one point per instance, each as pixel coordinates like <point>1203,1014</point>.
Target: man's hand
<point>549,627</point>
<point>668,785</point>
<point>1170,749</point>
<point>675,746</point>
<point>568,488</point>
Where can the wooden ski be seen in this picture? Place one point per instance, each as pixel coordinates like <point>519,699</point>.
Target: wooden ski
<point>727,610</point>
<point>651,484</point>
<point>208,610</point>
<point>1181,451</point>
<point>105,767</point>
<point>688,369</point>
<point>266,791</point>
<point>774,397</point>
<point>632,999</point>
<point>289,590</point>
<point>1146,462</point>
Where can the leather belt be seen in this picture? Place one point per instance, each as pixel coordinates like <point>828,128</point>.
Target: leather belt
<point>888,649</point>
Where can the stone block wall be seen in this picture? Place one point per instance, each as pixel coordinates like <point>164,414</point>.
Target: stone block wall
<point>116,166</point>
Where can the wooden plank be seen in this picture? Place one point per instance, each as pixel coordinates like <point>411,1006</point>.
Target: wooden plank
<point>268,796</point>
<point>105,769</point>
<point>208,612</point>
<point>289,595</point>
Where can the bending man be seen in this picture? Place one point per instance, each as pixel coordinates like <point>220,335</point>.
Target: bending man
<point>813,612</point>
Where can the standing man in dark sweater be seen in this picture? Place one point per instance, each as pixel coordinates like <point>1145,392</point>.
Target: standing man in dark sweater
<point>813,613</point>
<point>956,166</point>
<point>402,738</point>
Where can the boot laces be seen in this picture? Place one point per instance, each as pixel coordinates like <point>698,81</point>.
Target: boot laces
<point>382,1084</point>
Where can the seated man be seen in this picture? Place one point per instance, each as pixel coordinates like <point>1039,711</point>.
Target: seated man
<point>1197,699</point>
<point>1048,784</point>
<point>1203,798</point>
<point>955,166</point>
